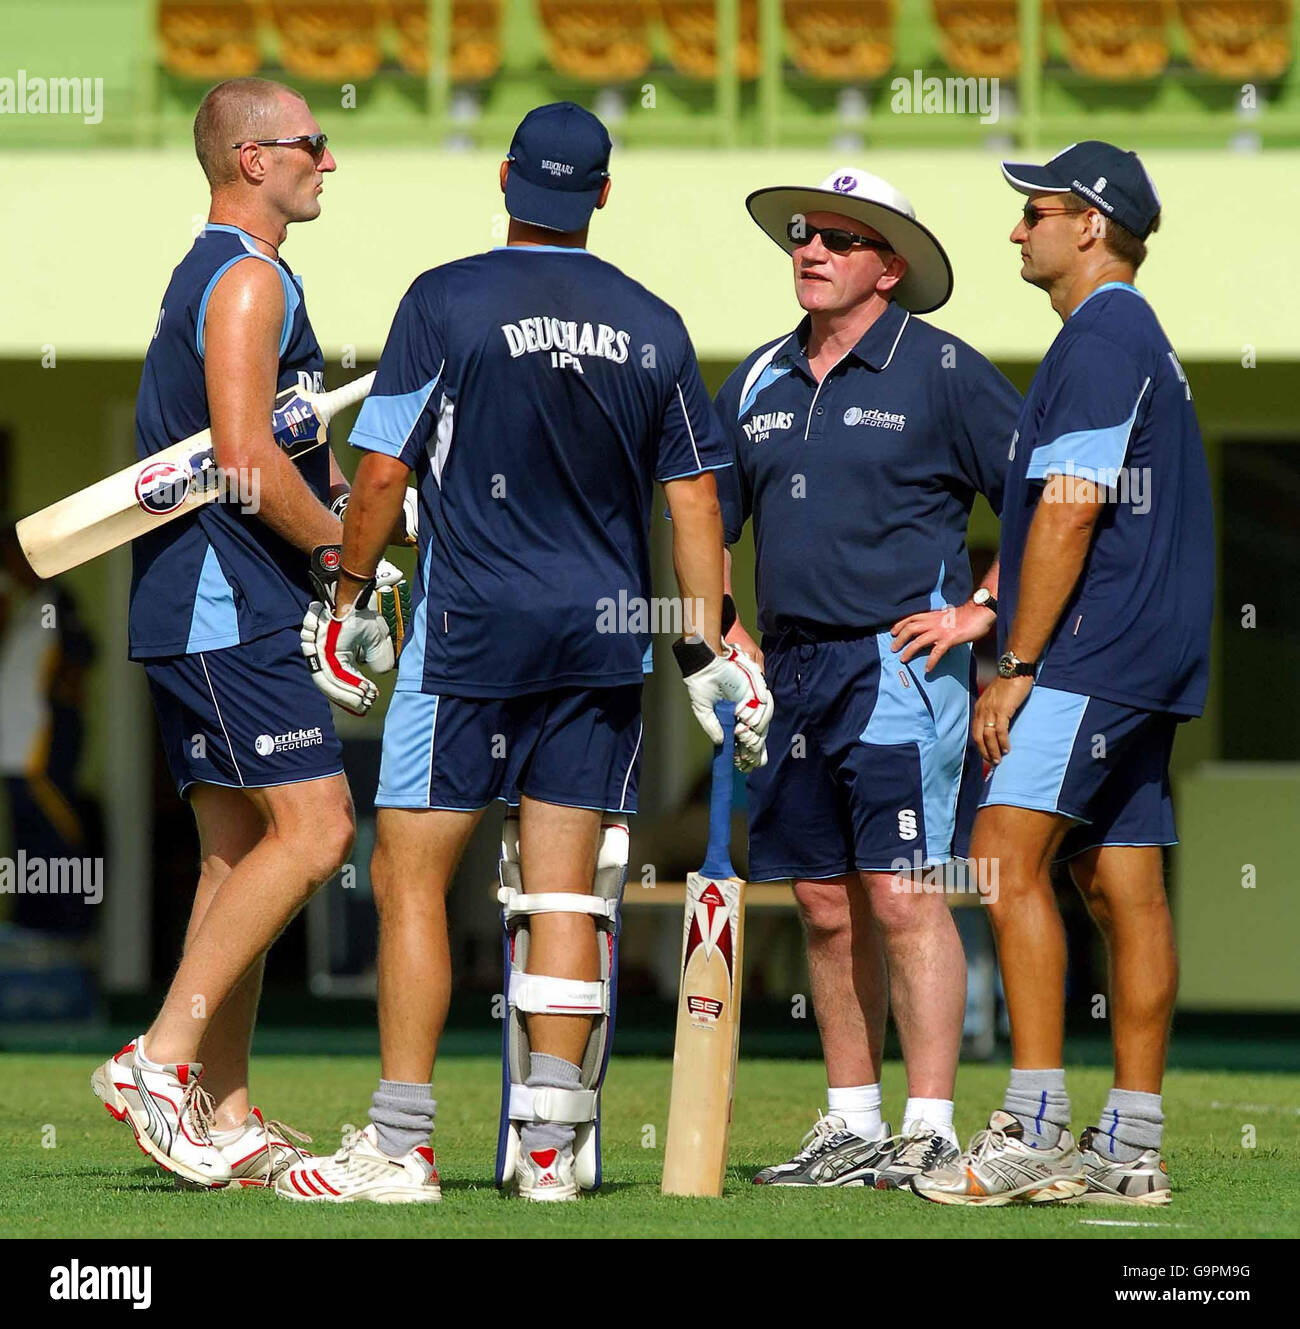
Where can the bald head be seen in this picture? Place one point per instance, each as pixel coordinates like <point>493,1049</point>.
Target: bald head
<point>238,111</point>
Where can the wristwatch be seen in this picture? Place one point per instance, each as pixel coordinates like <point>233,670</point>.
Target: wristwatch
<point>984,598</point>
<point>1011,666</point>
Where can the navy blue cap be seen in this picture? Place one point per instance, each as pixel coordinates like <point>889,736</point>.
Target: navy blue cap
<point>1101,174</point>
<point>559,160</point>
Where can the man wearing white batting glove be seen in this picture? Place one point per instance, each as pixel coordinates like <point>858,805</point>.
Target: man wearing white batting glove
<point>734,677</point>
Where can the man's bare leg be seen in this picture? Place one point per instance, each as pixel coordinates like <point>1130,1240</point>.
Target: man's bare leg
<point>1031,953</point>
<point>1123,887</point>
<point>308,835</point>
<point>850,995</point>
<point>927,986</point>
<point>416,856</point>
<point>229,826</point>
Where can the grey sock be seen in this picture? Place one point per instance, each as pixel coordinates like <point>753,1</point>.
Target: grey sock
<point>1039,1099</point>
<point>403,1116</point>
<point>1130,1122</point>
<point>547,1072</point>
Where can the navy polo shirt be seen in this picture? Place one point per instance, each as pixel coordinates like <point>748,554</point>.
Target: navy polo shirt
<point>1110,403</point>
<point>861,487</point>
<point>538,393</point>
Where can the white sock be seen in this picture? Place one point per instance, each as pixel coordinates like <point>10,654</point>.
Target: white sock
<point>858,1105</point>
<point>936,1113</point>
<point>143,1057</point>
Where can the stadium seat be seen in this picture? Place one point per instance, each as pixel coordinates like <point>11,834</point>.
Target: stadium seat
<point>1238,38</point>
<point>980,37</point>
<point>208,40</point>
<point>324,40</point>
<point>692,37</point>
<point>841,39</point>
<point>475,37</point>
<point>602,41</point>
<point>1115,39</point>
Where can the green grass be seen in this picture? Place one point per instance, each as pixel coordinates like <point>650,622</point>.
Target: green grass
<point>94,1182</point>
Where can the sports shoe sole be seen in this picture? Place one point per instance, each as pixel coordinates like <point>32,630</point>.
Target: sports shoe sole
<point>120,1110</point>
<point>1152,1200</point>
<point>393,1195</point>
<point>1055,1191</point>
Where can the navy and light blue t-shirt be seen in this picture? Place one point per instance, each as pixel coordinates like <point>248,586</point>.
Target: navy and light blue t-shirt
<point>861,487</point>
<point>1111,402</point>
<point>220,576</point>
<point>538,393</point>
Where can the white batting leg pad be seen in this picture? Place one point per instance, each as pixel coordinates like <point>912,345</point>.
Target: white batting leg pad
<point>546,995</point>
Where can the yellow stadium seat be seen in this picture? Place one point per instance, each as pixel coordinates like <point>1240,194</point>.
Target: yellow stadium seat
<point>1115,39</point>
<point>980,37</point>
<point>207,40</point>
<point>603,41</point>
<point>1238,39</point>
<point>324,40</point>
<point>692,37</point>
<point>841,39</point>
<point>475,37</point>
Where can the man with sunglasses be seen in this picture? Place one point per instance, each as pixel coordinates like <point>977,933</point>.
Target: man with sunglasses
<point>861,440</point>
<point>1104,628</point>
<point>217,601</point>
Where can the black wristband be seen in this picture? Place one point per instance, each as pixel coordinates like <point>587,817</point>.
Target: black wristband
<point>692,656</point>
<point>728,613</point>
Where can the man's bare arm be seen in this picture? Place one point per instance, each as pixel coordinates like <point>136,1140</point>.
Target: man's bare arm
<point>697,552</point>
<point>241,360</point>
<point>374,508</point>
<point>1055,551</point>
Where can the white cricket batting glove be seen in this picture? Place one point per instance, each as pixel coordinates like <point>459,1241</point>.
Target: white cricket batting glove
<point>732,677</point>
<point>337,647</point>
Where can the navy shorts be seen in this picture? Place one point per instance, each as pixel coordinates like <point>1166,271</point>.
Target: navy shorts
<point>1104,764</point>
<point>247,716</point>
<point>870,763</point>
<point>580,747</point>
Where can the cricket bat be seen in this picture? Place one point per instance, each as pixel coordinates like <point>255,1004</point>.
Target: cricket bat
<point>179,479</point>
<point>708,1001</point>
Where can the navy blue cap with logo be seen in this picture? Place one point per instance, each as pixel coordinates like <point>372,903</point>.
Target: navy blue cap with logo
<point>1102,175</point>
<point>559,161</point>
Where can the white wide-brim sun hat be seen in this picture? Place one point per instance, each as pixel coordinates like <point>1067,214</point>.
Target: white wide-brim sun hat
<point>876,203</point>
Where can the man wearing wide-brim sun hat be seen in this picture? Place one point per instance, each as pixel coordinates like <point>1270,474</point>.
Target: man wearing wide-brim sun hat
<point>861,439</point>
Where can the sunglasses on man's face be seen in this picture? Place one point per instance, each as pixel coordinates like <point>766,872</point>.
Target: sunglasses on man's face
<point>1034,214</point>
<point>314,143</point>
<point>836,240</point>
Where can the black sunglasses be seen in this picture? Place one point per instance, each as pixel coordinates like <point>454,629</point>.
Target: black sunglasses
<point>836,240</point>
<point>1034,214</point>
<point>314,143</point>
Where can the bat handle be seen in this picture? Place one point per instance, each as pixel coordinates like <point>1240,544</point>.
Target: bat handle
<point>717,862</point>
<point>329,404</point>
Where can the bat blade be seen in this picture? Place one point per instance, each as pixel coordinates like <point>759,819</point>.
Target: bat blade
<point>162,487</point>
<point>708,1004</point>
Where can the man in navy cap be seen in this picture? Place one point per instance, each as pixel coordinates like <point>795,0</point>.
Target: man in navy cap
<point>538,394</point>
<point>1107,585</point>
<point>861,440</point>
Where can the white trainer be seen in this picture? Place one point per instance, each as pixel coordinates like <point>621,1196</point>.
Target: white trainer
<point>362,1171</point>
<point>170,1114</point>
<point>546,1175</point>
<point>262,1150</point>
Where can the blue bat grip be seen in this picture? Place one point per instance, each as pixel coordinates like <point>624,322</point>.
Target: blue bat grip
<point>717,862</point>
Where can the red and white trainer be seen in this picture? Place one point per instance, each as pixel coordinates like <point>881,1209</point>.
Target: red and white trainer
<point>546,1175</point>
<point>170,1114</point>
<point>260,1151</point>
<point>362,1171</point>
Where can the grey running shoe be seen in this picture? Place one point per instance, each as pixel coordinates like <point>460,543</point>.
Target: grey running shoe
<point>831,1155</point>
<point>1143,1181</point>
<point>920,1148</point>
<point>999,1168</point>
